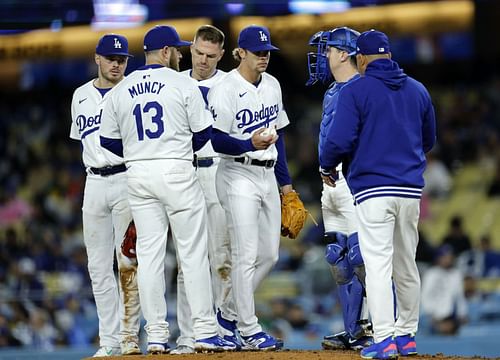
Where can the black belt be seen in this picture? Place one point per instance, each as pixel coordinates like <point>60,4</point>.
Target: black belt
<point>265,163</point>
<point>203,162</point>
<point>108,170</point>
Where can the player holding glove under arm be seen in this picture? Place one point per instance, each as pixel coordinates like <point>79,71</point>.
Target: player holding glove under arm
<point>385,122</point>
<point>206,51</point>
<point>244,105</point>
<point>157,117</point>
<point>106,213</point>
<point>334,55</point>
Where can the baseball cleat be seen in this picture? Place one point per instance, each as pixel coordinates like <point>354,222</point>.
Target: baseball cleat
<point>406,345</point>
<point>182,349</point>
<point>260,342</point>
<point>214,344</point>
<point>228,330</point>
<point>157,348</point>
<point>344,341</point>
<point>130,348</point>
<point>385,349</point>
<point>105,351</point>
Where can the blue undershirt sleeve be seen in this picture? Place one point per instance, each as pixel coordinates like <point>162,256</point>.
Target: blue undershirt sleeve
<point>200,138</point>
<point>113,145</point>
<point>226,144</point>
<point>281,168</point>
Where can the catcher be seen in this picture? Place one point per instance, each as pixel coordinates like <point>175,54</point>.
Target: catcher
<point>334,55</point>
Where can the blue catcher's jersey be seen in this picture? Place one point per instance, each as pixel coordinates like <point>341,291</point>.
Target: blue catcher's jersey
<point>329,107</point>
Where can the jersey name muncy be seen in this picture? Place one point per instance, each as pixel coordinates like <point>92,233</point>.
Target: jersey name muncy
<point>146,87</point>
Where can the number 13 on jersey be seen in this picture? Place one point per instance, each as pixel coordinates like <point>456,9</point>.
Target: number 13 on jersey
<point>154,110</point>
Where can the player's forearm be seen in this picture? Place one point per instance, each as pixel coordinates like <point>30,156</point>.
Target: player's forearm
<point>281,168</point>
<point>113,145</point>
<point>226,144</point>
<point>200,138</point>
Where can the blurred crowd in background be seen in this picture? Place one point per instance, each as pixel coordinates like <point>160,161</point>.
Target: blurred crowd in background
<point>45,295</point>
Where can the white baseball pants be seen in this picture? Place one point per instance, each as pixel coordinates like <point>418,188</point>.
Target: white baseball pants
<point>388,239</point>
<point>165,193</point>
<point>106,215</point>
<point>249,195</point>
<point>219,254</point>
<point>337,206</point>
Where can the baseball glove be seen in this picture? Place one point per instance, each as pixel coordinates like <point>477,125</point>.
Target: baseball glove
<point>129,240</point>
<point>293,214</point>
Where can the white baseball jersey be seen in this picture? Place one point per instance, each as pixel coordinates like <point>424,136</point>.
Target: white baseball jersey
<point>106,215</point>
<point>249,193</point>
<point>166,123</point>
<point>204,85</point>
<point>219,251</point>
<point>86,112</point>
<point>240,108</point>
<point>155,111</point>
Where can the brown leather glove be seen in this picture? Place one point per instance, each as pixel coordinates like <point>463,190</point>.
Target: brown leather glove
<point>293,214</point>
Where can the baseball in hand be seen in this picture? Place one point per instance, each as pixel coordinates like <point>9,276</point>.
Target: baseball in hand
<point>269,131</point>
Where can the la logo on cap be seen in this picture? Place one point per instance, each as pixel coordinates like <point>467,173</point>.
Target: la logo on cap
<point>263,36</point>
<point>381,49</point>
<point>118,44</point>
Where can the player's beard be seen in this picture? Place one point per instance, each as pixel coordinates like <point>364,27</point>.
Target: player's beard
<point>174,62</point>
<point>113,78</point>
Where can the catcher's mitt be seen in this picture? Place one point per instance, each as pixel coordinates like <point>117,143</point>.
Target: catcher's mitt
<point>129,240</point>
<point>293,214</point>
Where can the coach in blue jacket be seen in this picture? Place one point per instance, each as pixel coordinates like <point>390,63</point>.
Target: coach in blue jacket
<point>385,124</point>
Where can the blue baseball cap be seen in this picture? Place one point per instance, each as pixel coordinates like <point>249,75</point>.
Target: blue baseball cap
<point>255,38</point>
<point>112,44</point>
<point>161,36</point>
<point>372,42</point>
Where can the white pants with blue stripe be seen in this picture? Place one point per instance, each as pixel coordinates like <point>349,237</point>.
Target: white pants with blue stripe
<point>388,239</point>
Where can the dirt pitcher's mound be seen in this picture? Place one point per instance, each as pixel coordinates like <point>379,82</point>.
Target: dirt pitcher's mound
<point>278,355</point>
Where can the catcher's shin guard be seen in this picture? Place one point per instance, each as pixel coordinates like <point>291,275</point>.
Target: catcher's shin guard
<point>355,258</point>
<point>336,256</point>
<point>350,288</point>
<point>351,299</point>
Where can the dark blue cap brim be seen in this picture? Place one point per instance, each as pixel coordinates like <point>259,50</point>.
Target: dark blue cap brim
<point>116,54</point>
<point>183,43</point>
<point>262,47</point>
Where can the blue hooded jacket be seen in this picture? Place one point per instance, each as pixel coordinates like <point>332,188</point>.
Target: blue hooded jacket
<point>385,123</point>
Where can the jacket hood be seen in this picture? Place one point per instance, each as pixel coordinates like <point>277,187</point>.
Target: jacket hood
<point>388,72</point>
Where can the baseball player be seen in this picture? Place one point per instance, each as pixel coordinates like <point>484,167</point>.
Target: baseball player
<point>206,51</point>
<point>385,122</point>
<point>334,56</point>
<point>247,108</point>
<point>106,213</point>
<point>155,118</point>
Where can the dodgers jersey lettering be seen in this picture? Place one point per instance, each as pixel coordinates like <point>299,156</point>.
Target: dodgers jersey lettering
<point>163,113</point>
<point>85,124</point>
<point>204,85</point>
<point>254,108</point>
